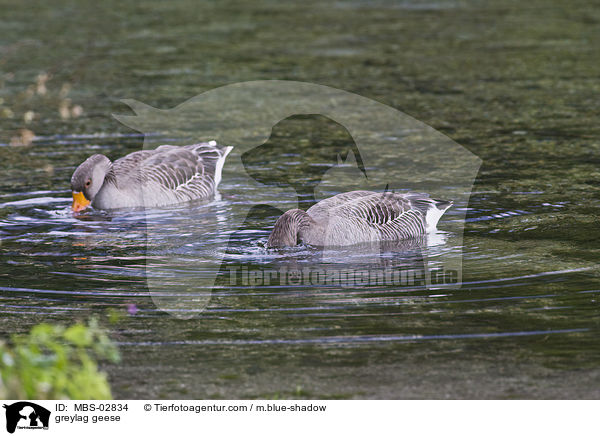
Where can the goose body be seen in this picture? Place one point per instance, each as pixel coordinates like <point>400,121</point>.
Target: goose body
<point>358,217</point>
<point>164,176</point>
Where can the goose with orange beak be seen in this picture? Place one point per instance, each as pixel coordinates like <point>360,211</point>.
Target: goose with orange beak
<point>149,178</point>
<point>88,179</point>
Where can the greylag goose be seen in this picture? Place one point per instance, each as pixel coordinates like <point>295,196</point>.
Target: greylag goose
<point>358,217</point>
<point>160,177</point>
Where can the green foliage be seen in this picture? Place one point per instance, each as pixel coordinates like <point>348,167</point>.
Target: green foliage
<point>56,362</point>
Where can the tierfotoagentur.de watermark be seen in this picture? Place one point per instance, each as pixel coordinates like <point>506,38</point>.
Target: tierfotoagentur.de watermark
<point>344,277</point>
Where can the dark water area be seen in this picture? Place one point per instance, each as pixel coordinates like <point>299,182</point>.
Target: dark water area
<point>514,83</point>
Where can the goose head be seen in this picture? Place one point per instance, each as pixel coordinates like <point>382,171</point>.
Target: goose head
<point>88,179</point>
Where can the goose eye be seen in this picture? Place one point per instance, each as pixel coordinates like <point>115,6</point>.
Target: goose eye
<point>88,183</point>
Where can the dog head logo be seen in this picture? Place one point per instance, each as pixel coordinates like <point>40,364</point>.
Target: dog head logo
<point>391,148</point>
<point>26,415</point>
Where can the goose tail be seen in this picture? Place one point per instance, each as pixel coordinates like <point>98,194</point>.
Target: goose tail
<point>220,163</point>
<point>435,211</point>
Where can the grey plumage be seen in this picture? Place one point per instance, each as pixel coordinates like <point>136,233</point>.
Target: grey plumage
<point>359,216</point>
<point>167,175</point>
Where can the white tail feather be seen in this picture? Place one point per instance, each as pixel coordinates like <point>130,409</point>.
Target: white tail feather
<point>433,216</point>
<point>219,166</point>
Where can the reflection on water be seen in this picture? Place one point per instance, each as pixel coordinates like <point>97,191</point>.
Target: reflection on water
<point>523,324</point>
<point>344,301</point>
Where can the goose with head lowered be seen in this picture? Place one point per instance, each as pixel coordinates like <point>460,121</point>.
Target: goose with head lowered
<point>358,217</point>
<point>149,178</point>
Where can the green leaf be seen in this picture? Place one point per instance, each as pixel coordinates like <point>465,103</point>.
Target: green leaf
<point>79,335</point>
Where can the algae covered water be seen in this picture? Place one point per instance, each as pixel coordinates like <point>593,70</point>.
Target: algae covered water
<point>515,84</point>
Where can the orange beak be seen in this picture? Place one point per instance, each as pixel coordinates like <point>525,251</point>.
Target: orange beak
<point>79,201</point>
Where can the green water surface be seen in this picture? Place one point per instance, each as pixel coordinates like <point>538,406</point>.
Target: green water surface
<point>516,83</point>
